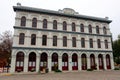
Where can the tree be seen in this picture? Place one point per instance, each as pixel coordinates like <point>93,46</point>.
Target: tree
<point>6,46</point>
<point>116,50</point>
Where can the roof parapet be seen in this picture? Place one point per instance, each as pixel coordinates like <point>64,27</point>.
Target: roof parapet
<point>18,4</point>
<point>68,11</point>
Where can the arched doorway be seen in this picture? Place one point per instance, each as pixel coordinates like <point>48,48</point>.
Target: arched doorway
<point>74,62</point>
<point>43,61</point>
<point>54,61</point>
<point>65,61</point>
<point>84,61</point>
<point>100,59</point>
<point>92,61</point>
<point>108,64</point>
<point>19,62</point>
<point>32,62</point>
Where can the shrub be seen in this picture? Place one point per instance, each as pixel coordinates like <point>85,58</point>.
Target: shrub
<point>33,70</point>
<point>116,69</point>
<point>57,70</point>
<point>89,69</point>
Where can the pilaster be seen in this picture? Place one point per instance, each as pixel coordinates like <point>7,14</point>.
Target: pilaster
<point>13,62</point>
<point>49,63</point>
<point>26,63</point>
<point>60,63</point>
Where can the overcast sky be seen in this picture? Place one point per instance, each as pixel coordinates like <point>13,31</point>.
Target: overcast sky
<point>97,8</point>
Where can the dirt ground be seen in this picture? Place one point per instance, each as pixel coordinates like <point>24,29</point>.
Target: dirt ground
<point>74,75</point>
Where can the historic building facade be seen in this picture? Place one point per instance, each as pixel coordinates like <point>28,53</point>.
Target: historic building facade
<point>61,39</point>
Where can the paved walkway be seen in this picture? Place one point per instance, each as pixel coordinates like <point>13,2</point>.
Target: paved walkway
<point>82,75</point>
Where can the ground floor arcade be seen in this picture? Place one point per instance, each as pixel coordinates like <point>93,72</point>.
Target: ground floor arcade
<point>28,60</point>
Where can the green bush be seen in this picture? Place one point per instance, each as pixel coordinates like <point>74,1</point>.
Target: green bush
<point>58,70</point>
<point>89,69</point>
<point>33,70</point>
<point>116,69</point>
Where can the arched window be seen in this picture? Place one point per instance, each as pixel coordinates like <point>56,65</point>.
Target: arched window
<point>100,59</point>
<point>90,28</point>
<point>106,44</point>
<point>19,61</point>
<point>34,22</point>
<point>64,41</point>
<point>45,23</point>
<point>54,40</point>
<point>65,61</point>
<point>84,61</point>
<point>92,61</point>
<point>33,39</point>
<point>32,61</point>
<point>21,38</point>
<point>104,30</point>
<point>99,43</point>
<point>54,24</point>
<point>44,40</point>
<point>73,41</point>
<point>73,27</point>
<point>43,61</point>
<point>91,43</point>
<point>97,30</point>
<point>83,42</point>
<point>23,21</point>
<point>81,27</point>
<point>108,63</point>
<point>74,62</point>
<point>64,25</point>
<point>54,61</point>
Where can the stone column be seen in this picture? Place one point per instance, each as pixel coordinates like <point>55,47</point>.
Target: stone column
<point>49,63</point>
<point>37,63</point>
<point>104,62</point>
<point>79,63</point>
<point>88,62</point>
<point>60,63</point>
<point>13,63</point>
<point>111,62</point>
<point>97,62</point>
<point>26,63</point>
<point>70,63</point>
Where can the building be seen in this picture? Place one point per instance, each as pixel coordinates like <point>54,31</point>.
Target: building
<point>61,39</point>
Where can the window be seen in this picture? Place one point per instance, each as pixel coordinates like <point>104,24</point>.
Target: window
<point>106,44</point>
<point>99,43</point>
<point>104,30</point>
<point>91,43</point>
<point>44,40</point>
<point>73,41</point>
<point>45,23</point>
<point>82,27</point>
<point>54,40</point>
<point>64,41</point>
<point>21,38</point>
<point>90,28</point>
<point>83,42</point>
<point>34,22</point>
<point>33,39</point>
<point>54,24</point>
<point>23,21</point>
<point>97,29</point>
<point>73,27</point>
<point>20,59</point>
<point>64,25</point>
